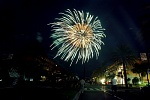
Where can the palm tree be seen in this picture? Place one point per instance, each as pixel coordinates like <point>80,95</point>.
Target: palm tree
<point>123,55</point>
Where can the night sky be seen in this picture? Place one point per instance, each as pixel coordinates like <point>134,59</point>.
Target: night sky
<point>23,26</point>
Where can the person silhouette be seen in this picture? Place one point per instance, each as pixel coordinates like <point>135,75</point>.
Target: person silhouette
<point>114,84</point>
<point>82,82</point>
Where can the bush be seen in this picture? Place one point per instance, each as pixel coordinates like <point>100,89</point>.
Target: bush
<point>135,80</point>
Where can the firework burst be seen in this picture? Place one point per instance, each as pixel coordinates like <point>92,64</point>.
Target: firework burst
<point>78,36</point>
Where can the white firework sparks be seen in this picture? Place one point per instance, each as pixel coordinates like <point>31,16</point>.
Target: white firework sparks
<point>78,36</point>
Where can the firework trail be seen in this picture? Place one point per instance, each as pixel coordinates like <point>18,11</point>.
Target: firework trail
<point>78,36</point>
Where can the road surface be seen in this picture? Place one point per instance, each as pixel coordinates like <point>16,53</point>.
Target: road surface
<point>95,92</point>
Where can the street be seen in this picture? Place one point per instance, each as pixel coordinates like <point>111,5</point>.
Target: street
<point>96,95</point>
<point>97,92</point>
<point>91,92</point>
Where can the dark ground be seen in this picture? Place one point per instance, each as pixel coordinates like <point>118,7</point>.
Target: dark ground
<point>35,94</point>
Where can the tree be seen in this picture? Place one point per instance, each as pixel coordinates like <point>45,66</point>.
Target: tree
<point>99,72</point>
<point>123,55</point>
<point>135,80</point>
<point>141,68</point>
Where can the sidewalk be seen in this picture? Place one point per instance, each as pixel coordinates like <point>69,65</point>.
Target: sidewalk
<point>130,93</point>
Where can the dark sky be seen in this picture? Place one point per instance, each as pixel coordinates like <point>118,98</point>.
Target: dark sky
<point>23,25</point>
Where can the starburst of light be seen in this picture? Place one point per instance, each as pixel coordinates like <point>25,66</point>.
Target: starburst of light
<point>78,36</point>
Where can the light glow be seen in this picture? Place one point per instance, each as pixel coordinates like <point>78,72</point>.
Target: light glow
<point>102,81</point>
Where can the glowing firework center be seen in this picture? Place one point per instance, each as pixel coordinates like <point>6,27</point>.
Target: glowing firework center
<point>77,35</point>
<point>82,33</point>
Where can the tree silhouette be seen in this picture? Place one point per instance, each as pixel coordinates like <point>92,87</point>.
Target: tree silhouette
<point>123,55</point>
